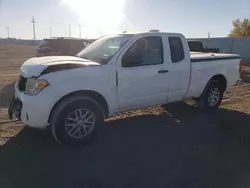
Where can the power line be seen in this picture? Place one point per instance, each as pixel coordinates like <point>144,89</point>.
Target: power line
<point>50,32</point>
<point>80,31</point>
<point>34,29</point>
<point>8,31</point>
<point>69,30</point>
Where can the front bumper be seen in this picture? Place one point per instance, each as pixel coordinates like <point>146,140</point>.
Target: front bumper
<point>239,81</point>
<point>15,108</point>
<point>33,111</point>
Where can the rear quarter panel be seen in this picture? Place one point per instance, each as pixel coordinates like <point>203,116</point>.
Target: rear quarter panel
<point>202,72</point>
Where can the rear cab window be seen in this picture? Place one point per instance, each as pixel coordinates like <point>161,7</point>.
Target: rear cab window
<point>176,49</point>
<point>195,46</point>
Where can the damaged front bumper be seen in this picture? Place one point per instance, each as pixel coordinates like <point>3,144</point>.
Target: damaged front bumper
<point>239,81</point>
<point>15,108</point>
<point>33,111</point>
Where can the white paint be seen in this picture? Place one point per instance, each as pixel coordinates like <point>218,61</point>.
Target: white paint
<point>134,87</point>
<point>34,66</point>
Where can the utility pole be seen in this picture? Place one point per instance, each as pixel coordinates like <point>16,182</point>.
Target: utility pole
<point>34,29</point>
<point>69,30</point>
<point>80,31</point>
<point>8,31</point>
<point>50,32</point>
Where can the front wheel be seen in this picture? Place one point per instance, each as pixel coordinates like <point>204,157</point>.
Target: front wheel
<point>76,120</point>
<point>212,96</point>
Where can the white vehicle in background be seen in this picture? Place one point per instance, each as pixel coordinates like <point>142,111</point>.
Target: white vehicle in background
<point>73,95</point>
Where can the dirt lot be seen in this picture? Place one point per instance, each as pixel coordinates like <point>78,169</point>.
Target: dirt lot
<point>151,148</point>
<point>11,58</point>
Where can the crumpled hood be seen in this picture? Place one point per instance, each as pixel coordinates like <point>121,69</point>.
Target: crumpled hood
<point>36,66</point>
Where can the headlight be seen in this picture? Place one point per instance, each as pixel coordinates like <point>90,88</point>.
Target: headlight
<point>34,86</point>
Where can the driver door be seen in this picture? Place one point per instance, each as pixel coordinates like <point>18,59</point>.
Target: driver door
<point>142,74</point>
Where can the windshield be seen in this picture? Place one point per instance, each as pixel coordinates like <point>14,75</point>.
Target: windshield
<point>102,50</point>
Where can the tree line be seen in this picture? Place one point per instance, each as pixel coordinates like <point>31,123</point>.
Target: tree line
<point>240,28</point>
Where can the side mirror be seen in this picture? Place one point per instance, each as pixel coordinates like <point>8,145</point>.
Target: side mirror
<point>129,60</point>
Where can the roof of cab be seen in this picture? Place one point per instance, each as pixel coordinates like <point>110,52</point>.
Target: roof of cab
<point>148,31</point>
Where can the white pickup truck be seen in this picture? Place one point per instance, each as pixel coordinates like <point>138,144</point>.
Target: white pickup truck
<point>73,95</point>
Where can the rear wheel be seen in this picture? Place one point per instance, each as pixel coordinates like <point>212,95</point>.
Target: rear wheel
<point>76,120</point>
<point>212,96</point>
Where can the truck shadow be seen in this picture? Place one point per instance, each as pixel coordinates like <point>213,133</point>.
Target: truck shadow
<point>182,148</point>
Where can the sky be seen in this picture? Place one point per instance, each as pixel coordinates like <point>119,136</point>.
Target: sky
<point>193,18</point>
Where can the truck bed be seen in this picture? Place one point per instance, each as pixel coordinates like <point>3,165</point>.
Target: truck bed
<point>201,56</point>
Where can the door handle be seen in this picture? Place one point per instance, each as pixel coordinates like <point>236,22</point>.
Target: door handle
<point>162,71</point>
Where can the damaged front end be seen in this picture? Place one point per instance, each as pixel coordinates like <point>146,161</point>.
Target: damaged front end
<point>15,109</point>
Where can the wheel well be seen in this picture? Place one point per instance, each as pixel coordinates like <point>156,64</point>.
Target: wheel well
<point>218,77</point>
<point>221,78</point>
<point>92,94</point>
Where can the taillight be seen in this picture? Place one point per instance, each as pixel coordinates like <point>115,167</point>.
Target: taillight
<point>240,66</point>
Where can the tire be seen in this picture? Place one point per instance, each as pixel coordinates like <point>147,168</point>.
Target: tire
<point>69,126</point>
<point>212,96</point>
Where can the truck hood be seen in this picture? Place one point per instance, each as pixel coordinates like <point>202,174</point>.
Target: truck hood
<point>37,66</point>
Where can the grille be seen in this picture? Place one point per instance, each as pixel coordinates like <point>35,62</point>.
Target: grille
<point>22,83</point>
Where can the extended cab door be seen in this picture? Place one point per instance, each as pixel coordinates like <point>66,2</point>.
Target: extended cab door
<point>179,67</point>
<point>142,72</point>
